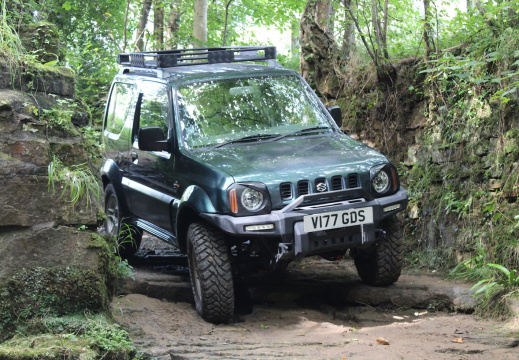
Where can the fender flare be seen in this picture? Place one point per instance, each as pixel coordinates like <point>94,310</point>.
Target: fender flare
<point>193,202</point>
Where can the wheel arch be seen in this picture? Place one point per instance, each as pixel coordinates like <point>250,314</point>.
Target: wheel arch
<point>194,201</point>
<point>110,174</point>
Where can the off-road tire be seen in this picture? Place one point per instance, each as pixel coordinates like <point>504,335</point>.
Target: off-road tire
<point>210,272</point>
<point>381,264</point>
<point>117,223</point>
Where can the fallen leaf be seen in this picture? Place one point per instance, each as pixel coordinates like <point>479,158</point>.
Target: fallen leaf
<point>458,340</point>
<point>398,317</point>
<point>420,314</point>
<point>382,341</point>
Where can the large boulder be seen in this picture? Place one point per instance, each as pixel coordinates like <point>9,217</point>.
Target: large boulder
<point>45,245</point>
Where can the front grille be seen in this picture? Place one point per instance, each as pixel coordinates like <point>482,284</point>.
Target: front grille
<point>286,191</point>
<point>303,187</point>
<point>337,182</point>
<point>289,191</point>
<point>352,181</point>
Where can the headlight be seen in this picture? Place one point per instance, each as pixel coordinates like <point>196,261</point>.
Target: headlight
<point>384,180</point>
<point>251,199</point>
<point>248,198</point>
<point>380,182</point>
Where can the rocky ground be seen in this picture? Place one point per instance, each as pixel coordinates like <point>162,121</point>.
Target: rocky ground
<point>316,310</point>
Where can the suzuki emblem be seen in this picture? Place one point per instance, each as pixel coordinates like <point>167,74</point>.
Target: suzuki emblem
<point>321,187</point>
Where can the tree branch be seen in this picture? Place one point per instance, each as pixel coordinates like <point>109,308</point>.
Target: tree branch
<point>362,37</point>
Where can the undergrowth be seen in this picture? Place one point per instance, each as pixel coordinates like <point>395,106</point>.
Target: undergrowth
<point>85,337</point>
<point>77,180</point>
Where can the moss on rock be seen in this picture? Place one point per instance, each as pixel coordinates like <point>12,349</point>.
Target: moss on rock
<point>82,337</point>
<point>39,292</point>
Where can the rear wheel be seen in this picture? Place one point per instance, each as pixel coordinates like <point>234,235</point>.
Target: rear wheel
<point>210,272</point>
<point>117,223</point>
<point>381,264</point>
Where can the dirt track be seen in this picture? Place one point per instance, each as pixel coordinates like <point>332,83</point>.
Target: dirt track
<point>313,312</point>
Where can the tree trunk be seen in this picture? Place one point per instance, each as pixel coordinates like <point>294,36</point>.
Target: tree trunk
<point>294,38</point>
<point>224,41</point>
<point>173,24</point>
<point>318,49</point>
<point>429,42</point>
<point>324,15</point>
<point>158,25</point>
<point>141,27</point>
<point>380,29</point>
<point>348,41</point>
<point>200,23</point>
<point>125,30</point>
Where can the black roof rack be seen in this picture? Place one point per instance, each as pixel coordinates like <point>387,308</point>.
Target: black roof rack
<point>198,56</point>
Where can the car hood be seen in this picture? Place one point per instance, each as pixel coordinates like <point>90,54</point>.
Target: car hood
<point>291,158</point>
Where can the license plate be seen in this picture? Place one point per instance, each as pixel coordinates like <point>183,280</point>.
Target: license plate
<point>338,219</point>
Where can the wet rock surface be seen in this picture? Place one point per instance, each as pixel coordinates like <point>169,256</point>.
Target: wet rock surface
<point>314,310</point>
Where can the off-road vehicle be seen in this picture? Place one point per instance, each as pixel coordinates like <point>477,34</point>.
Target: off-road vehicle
<point>240,166</point>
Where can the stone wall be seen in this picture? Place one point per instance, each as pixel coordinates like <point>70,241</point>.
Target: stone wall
<point>458,156</point>
<point>39,234</point>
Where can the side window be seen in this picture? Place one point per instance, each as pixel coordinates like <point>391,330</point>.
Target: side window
<point>154,106</point>
<point>119,105</point>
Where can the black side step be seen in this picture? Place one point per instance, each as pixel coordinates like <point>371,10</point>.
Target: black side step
<point>157,231</point>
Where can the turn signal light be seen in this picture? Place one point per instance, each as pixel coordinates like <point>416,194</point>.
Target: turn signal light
<point>233,201</point>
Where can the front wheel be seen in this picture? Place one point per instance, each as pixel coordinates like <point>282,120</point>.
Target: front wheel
<point>210,272</point>
<point>117,223</point>
<point>381,264</point>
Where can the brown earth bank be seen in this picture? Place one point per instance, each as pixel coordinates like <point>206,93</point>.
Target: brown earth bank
<point>314,310</point>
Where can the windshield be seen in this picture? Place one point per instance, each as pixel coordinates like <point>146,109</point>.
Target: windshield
<point>216,112</point>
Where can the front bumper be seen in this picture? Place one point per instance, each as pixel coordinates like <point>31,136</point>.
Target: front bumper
<point>288,222</point>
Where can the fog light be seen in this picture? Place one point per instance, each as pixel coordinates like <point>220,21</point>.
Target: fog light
<point>259,227</point>
<point>392,207</point>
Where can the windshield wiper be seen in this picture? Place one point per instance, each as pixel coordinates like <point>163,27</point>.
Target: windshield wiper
<point>304,131</point>
<point>247,139</point>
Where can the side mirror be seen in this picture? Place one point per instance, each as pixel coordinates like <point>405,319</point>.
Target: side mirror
<point>336,113</point>
<point>151,138</point>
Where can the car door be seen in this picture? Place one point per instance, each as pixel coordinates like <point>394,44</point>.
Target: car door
<point>151,173</point>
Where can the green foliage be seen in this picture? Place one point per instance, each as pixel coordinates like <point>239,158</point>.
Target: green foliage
<point>508,281</point>
<point>494,290</point>
<point>60,115</point>
<point>290,62</point>
<point>10,43</point>
<point>79,337</point>
<point>92,137</point>
<point>77,180</point>
<point>473,269</point>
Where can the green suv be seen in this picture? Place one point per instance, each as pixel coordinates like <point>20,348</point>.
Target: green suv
<point>240,166</point>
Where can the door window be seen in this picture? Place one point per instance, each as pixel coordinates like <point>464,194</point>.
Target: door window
<point>154,106</point>
<point>119,106</point>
